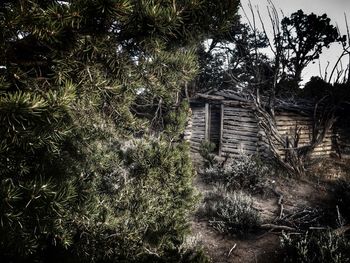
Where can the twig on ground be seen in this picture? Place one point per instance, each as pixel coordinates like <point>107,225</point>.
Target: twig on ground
<point>151,252</point>
<point>280,200</point>
<point>234,246</point>
<point>318,228</point>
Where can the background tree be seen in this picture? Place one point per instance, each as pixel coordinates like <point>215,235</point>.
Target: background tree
<point>296,42</point>
<point>234,59</point>
<point>247,63</point>
<point>79,80</point>
<point>304,37</point>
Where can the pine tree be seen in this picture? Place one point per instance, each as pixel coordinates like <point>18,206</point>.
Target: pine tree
<point>79,80</point>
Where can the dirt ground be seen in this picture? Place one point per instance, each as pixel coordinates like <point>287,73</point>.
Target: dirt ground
<point>263,246</point>
<point>222,248</point>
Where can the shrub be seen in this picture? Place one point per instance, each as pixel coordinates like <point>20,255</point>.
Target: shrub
<point>196,255</point>
<point>244,172</point>
<point>342,197</point>
<point>190,251</point>
<point>314,247</point>
<point>231,212</point>
<point>206,151</point>
<point>154,204</point>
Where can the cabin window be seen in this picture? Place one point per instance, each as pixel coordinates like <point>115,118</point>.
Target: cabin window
<point>213,125</point>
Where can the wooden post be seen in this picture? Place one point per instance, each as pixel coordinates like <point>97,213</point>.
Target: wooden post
<point>207,122</point>
<point>221,128</point>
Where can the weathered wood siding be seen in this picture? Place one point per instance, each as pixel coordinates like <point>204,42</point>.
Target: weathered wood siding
<point>240,130</point>
<point>288,122</point>
<point>195,131</point>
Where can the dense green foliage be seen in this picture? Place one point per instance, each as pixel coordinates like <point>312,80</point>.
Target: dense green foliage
<point>79,81</point>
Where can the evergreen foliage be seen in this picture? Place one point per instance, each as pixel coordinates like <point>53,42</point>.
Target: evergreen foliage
<point>78,81</point>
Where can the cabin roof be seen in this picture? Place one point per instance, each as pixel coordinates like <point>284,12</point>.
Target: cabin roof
<point>239,98</point>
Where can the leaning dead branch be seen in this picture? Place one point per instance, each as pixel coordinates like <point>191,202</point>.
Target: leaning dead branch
<point>285,148</point>
<point>346,52</point>
<point>276,141</point>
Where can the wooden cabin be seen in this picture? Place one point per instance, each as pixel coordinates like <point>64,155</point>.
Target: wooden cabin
<point>228,119</point>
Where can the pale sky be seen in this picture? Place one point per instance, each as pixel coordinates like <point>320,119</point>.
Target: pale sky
<point>334,9</point>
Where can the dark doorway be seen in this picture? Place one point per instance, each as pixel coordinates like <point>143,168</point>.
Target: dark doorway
<point>215,125</point>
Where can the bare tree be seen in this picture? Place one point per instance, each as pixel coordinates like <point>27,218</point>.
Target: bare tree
<point>287,149</point>
<point>342,74</point>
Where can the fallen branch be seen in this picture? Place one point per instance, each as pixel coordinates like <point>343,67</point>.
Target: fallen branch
<point>280,200</point>
<point>318,228</point>
<point>301,219</point>
<point>274,227</point>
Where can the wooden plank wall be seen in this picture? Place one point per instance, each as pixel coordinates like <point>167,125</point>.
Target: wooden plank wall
<point>240,130</point>
<point>195,130</point>
<point>287,122</point>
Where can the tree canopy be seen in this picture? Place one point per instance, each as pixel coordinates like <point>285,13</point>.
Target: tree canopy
<point>304,37</point>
